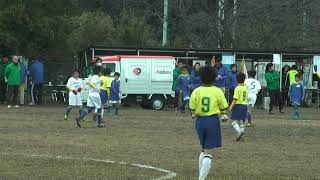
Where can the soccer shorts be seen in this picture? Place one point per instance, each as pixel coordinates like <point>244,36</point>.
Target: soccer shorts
<point>75,100</point>
<point>104,96</point>
<point>252,98</point>
<point>209,132</point>
<point>239,112</point>
<point>94,101</point>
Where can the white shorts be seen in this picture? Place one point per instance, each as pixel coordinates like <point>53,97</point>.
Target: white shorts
<point>252,98</point>
<point>94,101</point>
<point>75,100</point>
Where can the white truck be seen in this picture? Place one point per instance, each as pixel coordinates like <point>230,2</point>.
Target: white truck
<point>143,79</point>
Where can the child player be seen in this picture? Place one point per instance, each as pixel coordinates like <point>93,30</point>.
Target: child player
<point>253,89</point>
<point>115,93</point>
<point>207,102</point>
<point>296,94</point>
<point>239,108</point>
<point>183,86</point>
<point>74,85</point>
<point>94,100</point>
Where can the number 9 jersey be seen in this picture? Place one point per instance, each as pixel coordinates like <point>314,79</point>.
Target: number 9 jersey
<point>208,101</point>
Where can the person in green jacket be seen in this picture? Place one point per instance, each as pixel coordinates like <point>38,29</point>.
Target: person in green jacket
<point>3,83</point>
<point>13,77</point>
<point>176,74</point>
<point>273,86</point>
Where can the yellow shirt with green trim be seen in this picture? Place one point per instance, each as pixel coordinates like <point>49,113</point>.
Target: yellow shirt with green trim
<point>106,84</point>
<point>241,94</point>
<point>207,101</point>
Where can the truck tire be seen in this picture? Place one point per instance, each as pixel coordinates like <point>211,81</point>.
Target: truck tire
<point>157,103</point>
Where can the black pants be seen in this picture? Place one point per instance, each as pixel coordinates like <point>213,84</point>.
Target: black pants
<point>12,95</point>
<point>3,91</point>
<point>176,99</point>
<point>275,98</point>
<point>36,93</point>
<point>230,97</point>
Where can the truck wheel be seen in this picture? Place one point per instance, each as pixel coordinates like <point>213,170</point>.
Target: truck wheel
<point>157,103</point>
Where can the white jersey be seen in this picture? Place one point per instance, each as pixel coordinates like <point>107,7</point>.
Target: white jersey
<point>74,84</point>
<point>253,86</point>
<point>95,80</point>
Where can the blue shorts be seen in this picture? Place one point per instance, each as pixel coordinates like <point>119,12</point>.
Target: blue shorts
<point>103,96</point>
<point>209,132</point>
<point>239,112</point>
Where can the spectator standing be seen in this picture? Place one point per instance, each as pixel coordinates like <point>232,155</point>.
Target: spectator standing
<point>13,76</point>
<point>36,73</point>
<point>273,86</point>
<point>285,85</point>
<point>232,82</point>
<point>195,80</point>
<point>23,81</point>
<point>3,83</point>
<point>292,74</point>
<point>176,74</point>
<point>222,75</point>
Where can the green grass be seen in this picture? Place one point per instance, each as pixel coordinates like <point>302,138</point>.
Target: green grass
<point>276,148</point>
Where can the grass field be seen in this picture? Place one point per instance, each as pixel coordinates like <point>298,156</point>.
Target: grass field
<point>36,143</point>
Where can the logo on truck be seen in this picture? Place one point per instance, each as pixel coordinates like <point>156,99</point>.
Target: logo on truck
<point>163,72</point>
<point>136,71</point>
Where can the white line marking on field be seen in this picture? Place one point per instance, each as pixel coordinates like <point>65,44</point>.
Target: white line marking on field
<point>169,174</point>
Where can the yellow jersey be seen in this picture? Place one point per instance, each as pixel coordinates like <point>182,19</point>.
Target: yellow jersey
<point>207,101</point>
<point>241,94</point>
<point>106,84</point>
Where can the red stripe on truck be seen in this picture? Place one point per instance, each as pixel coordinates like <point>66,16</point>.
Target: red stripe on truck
<point>118,58</point>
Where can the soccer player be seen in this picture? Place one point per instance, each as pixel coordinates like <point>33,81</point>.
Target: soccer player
<point>105,88</point>
<point>296,94</point>
<point>207,102</point>
<point>115,93</point>
<point>94,100</point>
<point>253,89</point>
<point>183,86</point>
<point>239,106</point>
<point>74,85</point>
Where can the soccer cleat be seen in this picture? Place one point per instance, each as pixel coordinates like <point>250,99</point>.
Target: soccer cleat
<point>100,126</point>
<point>271,113</point>
<point>281,112</point>
<point>9,106</point>
<point>78,122</point>
<point>65,117</point>
<point>249,125</point>
<point>16,106</point>
<point>239,136</point>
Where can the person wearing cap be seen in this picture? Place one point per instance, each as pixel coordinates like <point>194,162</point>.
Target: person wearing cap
<point>3,84</point>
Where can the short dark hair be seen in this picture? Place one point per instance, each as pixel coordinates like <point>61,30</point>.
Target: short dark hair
<point>184,67</point>
<point>218,60</point>
<point>269,65</point>
<point>207,74</point>
<point>233,65</point>
<point>76,70</point>
<point>197,63</point>
<point>97,69</point>
<point>117,74</point>
<point>252,73</point>
<point>241,77</point>
<point>298,75</point>
<point>295,67</point>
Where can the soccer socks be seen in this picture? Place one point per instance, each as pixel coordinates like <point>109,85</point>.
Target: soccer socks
<point>205,167</point>
<point>249,117</point>
<point>242,128</point>
<point>99,115</point>
<point>236,127</point>
<point>200,161</point>
<point>102,112</point>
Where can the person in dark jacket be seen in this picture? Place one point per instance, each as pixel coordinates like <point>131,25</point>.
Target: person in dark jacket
<point>273,86</point>
<point>285,84</point>
<point>3,83</point>
<point>13,75</point>
<point>222,75</point>
<point>195,80</point>
<point>232,81</point>
<point>23,81</point>
<point>36,72</point>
